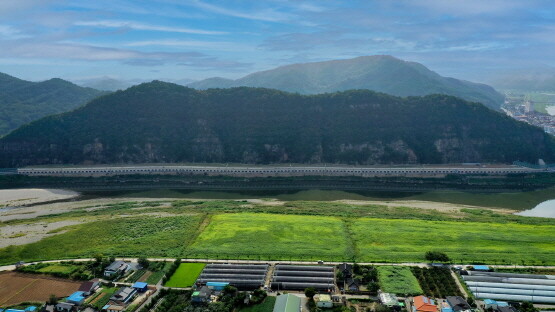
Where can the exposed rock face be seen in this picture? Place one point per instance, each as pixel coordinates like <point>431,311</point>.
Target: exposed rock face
<point>161,122</point>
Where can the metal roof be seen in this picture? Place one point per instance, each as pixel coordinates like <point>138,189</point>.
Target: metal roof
<point>140,285</point>
<point>287,303</point>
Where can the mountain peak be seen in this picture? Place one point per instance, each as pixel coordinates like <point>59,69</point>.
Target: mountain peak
<point>382,73</point>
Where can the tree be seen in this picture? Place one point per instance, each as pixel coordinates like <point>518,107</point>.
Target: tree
<point>98,258</point>
<point>143,262</point>
<point>373,287</point>
<point>528,307</point>
<point>471,302</point>
<point>433,256</point>
<point>53,300</point>
<point>310,293</point>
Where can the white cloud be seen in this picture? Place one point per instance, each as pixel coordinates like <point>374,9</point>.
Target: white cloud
<point>8,32</point>
<point>217,45</point>
<point>267,15</point>
<point>141,26</point>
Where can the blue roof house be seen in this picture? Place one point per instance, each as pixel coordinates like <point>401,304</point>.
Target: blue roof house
<point>76,298</point>
<point>216,285</point>
<point>140,286</point>
<point>481,268</point>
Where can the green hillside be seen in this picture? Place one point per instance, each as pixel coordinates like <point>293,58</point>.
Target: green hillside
<point>163,122</point>
<point>23,101</point>
<point>380,73</point>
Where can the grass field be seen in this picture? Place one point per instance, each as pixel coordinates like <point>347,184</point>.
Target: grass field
<point>185,275</point>
<point>157,275</point>
<point>58,268</point>
<point>133,236</point>
<point>246,235</point>
<point>266,306</point>
<point>297,230</point>
<point>407,240</point>
<point>398,280</point>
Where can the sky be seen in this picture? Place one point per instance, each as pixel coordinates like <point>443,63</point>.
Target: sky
<point>179,39</point>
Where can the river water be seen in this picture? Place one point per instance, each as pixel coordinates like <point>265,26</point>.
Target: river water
<point>545,209</point>
<point>534,203</point>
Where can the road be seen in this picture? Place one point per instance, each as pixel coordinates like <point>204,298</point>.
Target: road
<point>277,171</point>
<point>416,264</point>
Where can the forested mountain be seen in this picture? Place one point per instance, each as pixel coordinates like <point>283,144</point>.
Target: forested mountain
<point>105,84</point>
<point>24,101</point>
<point>380,73</point>
<point>163,122</point>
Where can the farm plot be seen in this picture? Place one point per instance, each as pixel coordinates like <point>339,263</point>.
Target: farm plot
<point>132,236</point>
<point>16,288</point>
<point>398,280</point>
<point>437,282</point>
<point>391,240</point>
<point>269,236</point>
<point>185,275</point>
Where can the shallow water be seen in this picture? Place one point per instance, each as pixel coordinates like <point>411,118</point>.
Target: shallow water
<point>515,201</point>
<point>544,210</point>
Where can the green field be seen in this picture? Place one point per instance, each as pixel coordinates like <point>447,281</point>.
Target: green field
<point>407,240</point>
<point>133,236</point>
<point>297,230</point>
<point>269,236</point>
<point>159,273</point>
<point>266,306</point>
<point>59,268</point>
<point>185,275</point>
<point>398,280</point>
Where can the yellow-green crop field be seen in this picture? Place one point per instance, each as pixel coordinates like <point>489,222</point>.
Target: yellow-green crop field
<point>296,231</point>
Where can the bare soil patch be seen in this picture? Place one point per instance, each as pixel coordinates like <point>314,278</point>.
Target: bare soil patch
<point>16,288</point>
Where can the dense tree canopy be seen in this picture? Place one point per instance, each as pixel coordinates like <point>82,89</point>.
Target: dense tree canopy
<point>163,122</point>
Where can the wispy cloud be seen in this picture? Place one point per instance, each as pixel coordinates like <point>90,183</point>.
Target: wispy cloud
<point>140,26</point>
<point>268,15</point>
<point>8,32</point>
<point>193,44</point>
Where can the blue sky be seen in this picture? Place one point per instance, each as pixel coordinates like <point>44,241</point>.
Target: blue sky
<point>173,39</point>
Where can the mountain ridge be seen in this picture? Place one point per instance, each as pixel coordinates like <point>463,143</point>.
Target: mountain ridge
<point>23,101</point>
<point>381,73</point>
<point>167,123</point>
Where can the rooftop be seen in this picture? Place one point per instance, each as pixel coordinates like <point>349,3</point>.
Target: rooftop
<point>140,285</point>
<point>287,303</point>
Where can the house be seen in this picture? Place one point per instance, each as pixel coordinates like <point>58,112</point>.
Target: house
<point>88,288</point>
<point>483,268</point>
<point>65,307</point>
<point>202,295</point>
<point>140,286</point>
<point>27,309</point>
<point>352,284</point>
<point>346,269</point>
<point>76,298</point>
<point>217,286</point>
<point>287,303</point>
<point>457,303</point>
<point>48,308</point>
<point>423,304</point>
<point>490,303</point>
<point>123,295</point>
<point>113,308</point>
<point>323,301</point>
<point>506,309</point>
<point>116,268</point>
<point>388,299</point>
